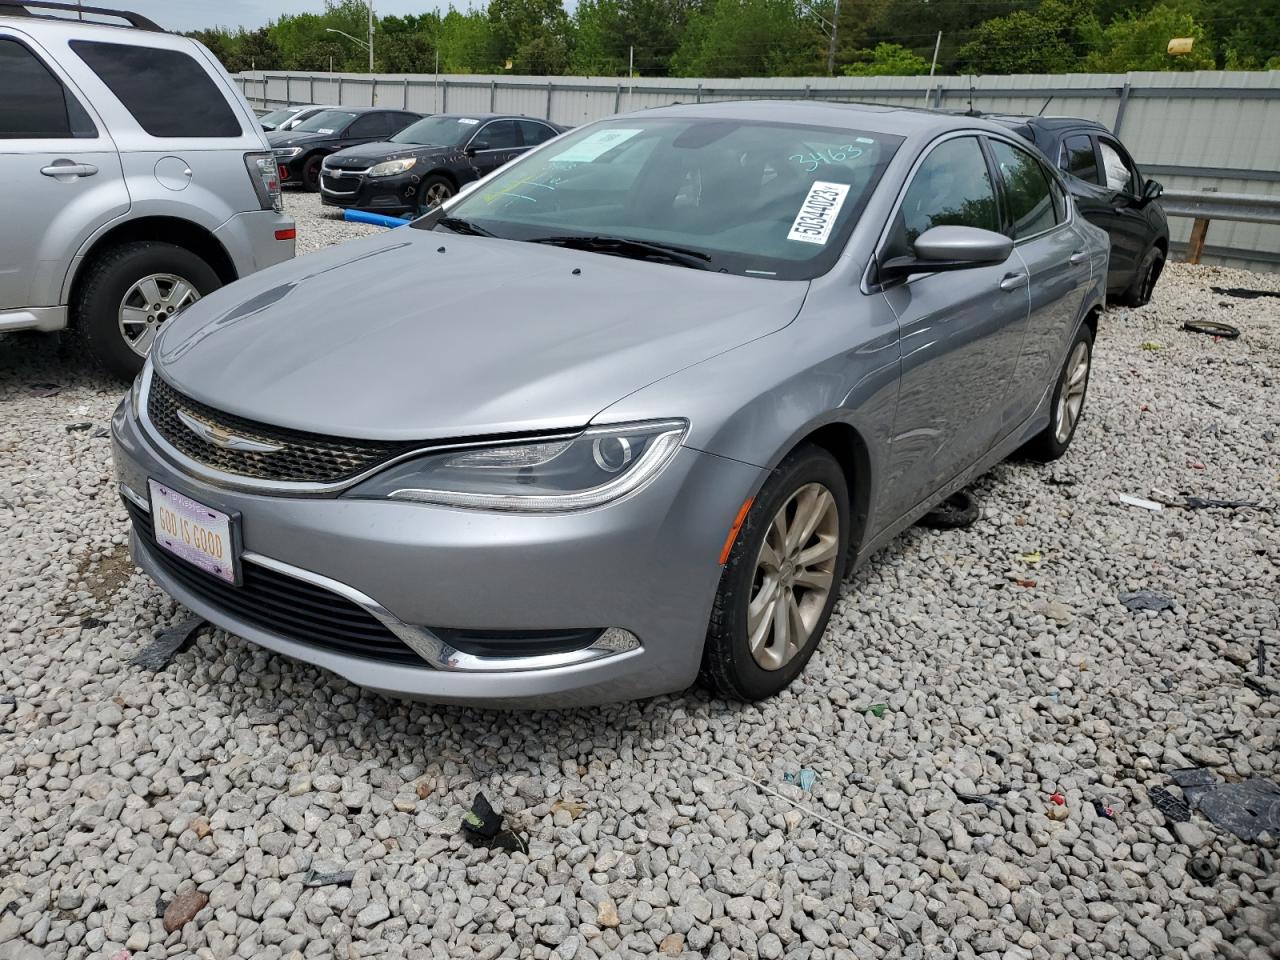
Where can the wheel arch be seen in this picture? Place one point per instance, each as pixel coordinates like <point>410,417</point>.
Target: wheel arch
<point>181,233</point>
<point>444,172</point>
<point>843,441</point>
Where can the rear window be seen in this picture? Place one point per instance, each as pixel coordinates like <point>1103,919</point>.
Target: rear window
<point>168,92</point>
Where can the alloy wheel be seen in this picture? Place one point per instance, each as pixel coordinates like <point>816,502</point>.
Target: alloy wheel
<point>1075,378</point>
<point>434,195</point>
<point>795,574</point>
<point>149,303</point>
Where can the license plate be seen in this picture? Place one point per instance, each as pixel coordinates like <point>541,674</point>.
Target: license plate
<point>198,534</point>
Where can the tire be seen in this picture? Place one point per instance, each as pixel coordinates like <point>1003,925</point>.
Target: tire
<point>432,191</point>
<point>1138,293</point>
<point>807,476</point>
<point>960,509</point>
<point>110,279</point>
<point>311,173</point>
<point>1052,442</point>
<point>1212,328</point>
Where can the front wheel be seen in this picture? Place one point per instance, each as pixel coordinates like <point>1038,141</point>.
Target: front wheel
<point>782,579</point>
<point>129,293</point>
<point>433,191</point>
<point>1068,401</point>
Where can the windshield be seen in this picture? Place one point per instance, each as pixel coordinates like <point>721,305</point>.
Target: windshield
<point>441,131</point>
<point>276,116</point>
<point>326,121</point>
<point>774,200</point>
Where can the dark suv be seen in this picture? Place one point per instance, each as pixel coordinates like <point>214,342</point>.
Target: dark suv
<point>428,162</point>
<point>300,150</point>
<point>1109,191</point>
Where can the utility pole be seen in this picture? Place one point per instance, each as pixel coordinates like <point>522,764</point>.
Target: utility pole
<point>831,48</point>
<point>371,36</point>
<point>933,66</point>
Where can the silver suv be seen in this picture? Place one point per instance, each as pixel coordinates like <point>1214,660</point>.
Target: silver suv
<point>136,178</point>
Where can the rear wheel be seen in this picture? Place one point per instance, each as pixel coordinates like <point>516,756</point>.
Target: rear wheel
<point>782,579</point>
<point>1138,293</point>
<point>129,292</point>
<point>1068,401</point>
<point>311,173</point>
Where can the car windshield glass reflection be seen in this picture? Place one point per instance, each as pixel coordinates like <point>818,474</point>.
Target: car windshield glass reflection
<point>326,121</point>
<point>438,131</point>
<point>771,200</point>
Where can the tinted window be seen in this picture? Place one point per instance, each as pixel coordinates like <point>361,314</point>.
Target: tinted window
<point>1078,158</point>
<point>534,133</point>
<point>438,131</point>
<point>372,125</point>
<point>951,188</point>
<point>326,121</point>
<point>168,92</point>
<point>772,200</point>
<point>1026,187</point>
<point>498,135</point>
<point>1119,176</point>
<point>44,110</point>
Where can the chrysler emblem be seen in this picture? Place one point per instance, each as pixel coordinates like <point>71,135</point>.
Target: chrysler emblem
<point>224,438</point>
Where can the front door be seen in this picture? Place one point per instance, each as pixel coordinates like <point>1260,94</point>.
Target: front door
<point>961,330</point>
<point>60,171</point>
<point>493,145</point>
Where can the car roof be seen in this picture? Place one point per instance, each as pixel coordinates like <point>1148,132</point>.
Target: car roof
<point>1045,123</point>
<point>46,25</point>
<point>872,117</point>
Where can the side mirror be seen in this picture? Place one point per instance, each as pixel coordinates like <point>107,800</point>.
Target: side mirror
<point>950,248</point>
<point>1152,190</point>
<point>475,147</point>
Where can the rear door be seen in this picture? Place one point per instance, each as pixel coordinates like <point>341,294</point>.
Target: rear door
<point>534,132</point>
<point>494,144</point>
<point>1037,218</point>
<point>961,331</point>
<point>60,170</point>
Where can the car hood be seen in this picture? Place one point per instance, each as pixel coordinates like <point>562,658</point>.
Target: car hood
<point>421,335</point>
<point>371,153</point>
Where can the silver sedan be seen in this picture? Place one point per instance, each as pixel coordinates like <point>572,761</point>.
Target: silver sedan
<point>624,413</point>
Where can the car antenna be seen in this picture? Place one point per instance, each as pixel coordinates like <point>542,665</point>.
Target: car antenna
<point>972,112</point>
<point>1045,107</point>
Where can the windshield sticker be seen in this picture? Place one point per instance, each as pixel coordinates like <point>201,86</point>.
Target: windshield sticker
<point>597,144</point>
<point>325,130</point>
<point>835,155</point>
<point>468,121</point>
<point>818,213</point>
<point>867,140</point>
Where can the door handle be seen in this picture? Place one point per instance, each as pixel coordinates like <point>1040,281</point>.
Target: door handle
<point>1079,256</point>
<point>1014,281</point>
<point>59,169</point>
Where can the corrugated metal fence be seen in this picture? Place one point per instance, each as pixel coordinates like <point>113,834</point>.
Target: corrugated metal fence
<point>1192,131</point>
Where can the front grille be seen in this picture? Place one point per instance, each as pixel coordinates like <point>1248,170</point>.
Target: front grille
<point>283,605</point>
<point>340,184</point>
<point>302,457</point>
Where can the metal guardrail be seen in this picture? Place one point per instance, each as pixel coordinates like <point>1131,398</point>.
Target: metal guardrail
<point>1205,206</point>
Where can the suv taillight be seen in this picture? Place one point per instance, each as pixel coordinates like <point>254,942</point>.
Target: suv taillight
<point>266,180</point>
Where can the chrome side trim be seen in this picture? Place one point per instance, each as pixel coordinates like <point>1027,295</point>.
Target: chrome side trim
<point>279,488</point>
<point>137,499</point>
<point>438,654</point>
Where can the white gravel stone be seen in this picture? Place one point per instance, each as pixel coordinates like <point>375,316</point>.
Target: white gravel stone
<point>233,772</point>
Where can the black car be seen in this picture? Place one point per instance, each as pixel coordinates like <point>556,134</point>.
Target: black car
<point>301,150</point>
<point>428,162</point>
<point>1110,192</point>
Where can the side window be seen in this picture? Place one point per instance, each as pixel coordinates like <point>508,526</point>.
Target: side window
<point>1059,199</point>
<point>1078,158</point>
<point>951,188</point>
<point>369,125</point>
<point>1119,175</point>
<point>1026,188</point>
<point>167,91</point>
<point>497,135</point>
<point>534,132</point>
<point>44,110</point>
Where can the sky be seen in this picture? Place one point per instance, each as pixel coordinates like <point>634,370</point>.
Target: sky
<point>194,14</point>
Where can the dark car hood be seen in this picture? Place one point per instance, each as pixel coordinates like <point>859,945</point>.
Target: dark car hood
<point>425,335</point>
<point>292,138</point>
<point>367,154</point>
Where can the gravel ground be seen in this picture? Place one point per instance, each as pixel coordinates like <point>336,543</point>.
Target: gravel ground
<point>133,801</point>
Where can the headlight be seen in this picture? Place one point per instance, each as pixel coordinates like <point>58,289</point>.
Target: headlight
<point>559,474</point>
<point>287,153</point>
<point>392,167</point>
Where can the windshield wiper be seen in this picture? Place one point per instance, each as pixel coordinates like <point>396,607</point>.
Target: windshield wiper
<point>458,225</point>
<point>636,249</point>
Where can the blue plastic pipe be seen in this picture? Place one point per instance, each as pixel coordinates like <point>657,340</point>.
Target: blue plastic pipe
<point>377,219</point>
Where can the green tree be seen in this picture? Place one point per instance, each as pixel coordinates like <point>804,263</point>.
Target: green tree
<point>608,33</point>
<point>467,44</point>
<point>1053,39</point>
<point>531,33</point>
<point>886,60</point>
<point>756,38</point>
<point>1141,41</point>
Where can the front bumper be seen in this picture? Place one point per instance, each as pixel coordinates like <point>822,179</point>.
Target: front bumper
<point>368,193</point>
<point>646,565</point>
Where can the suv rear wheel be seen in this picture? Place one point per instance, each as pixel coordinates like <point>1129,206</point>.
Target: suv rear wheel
<point>129,292</point>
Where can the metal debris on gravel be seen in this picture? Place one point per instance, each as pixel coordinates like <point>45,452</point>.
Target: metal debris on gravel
<point>122,790</point>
